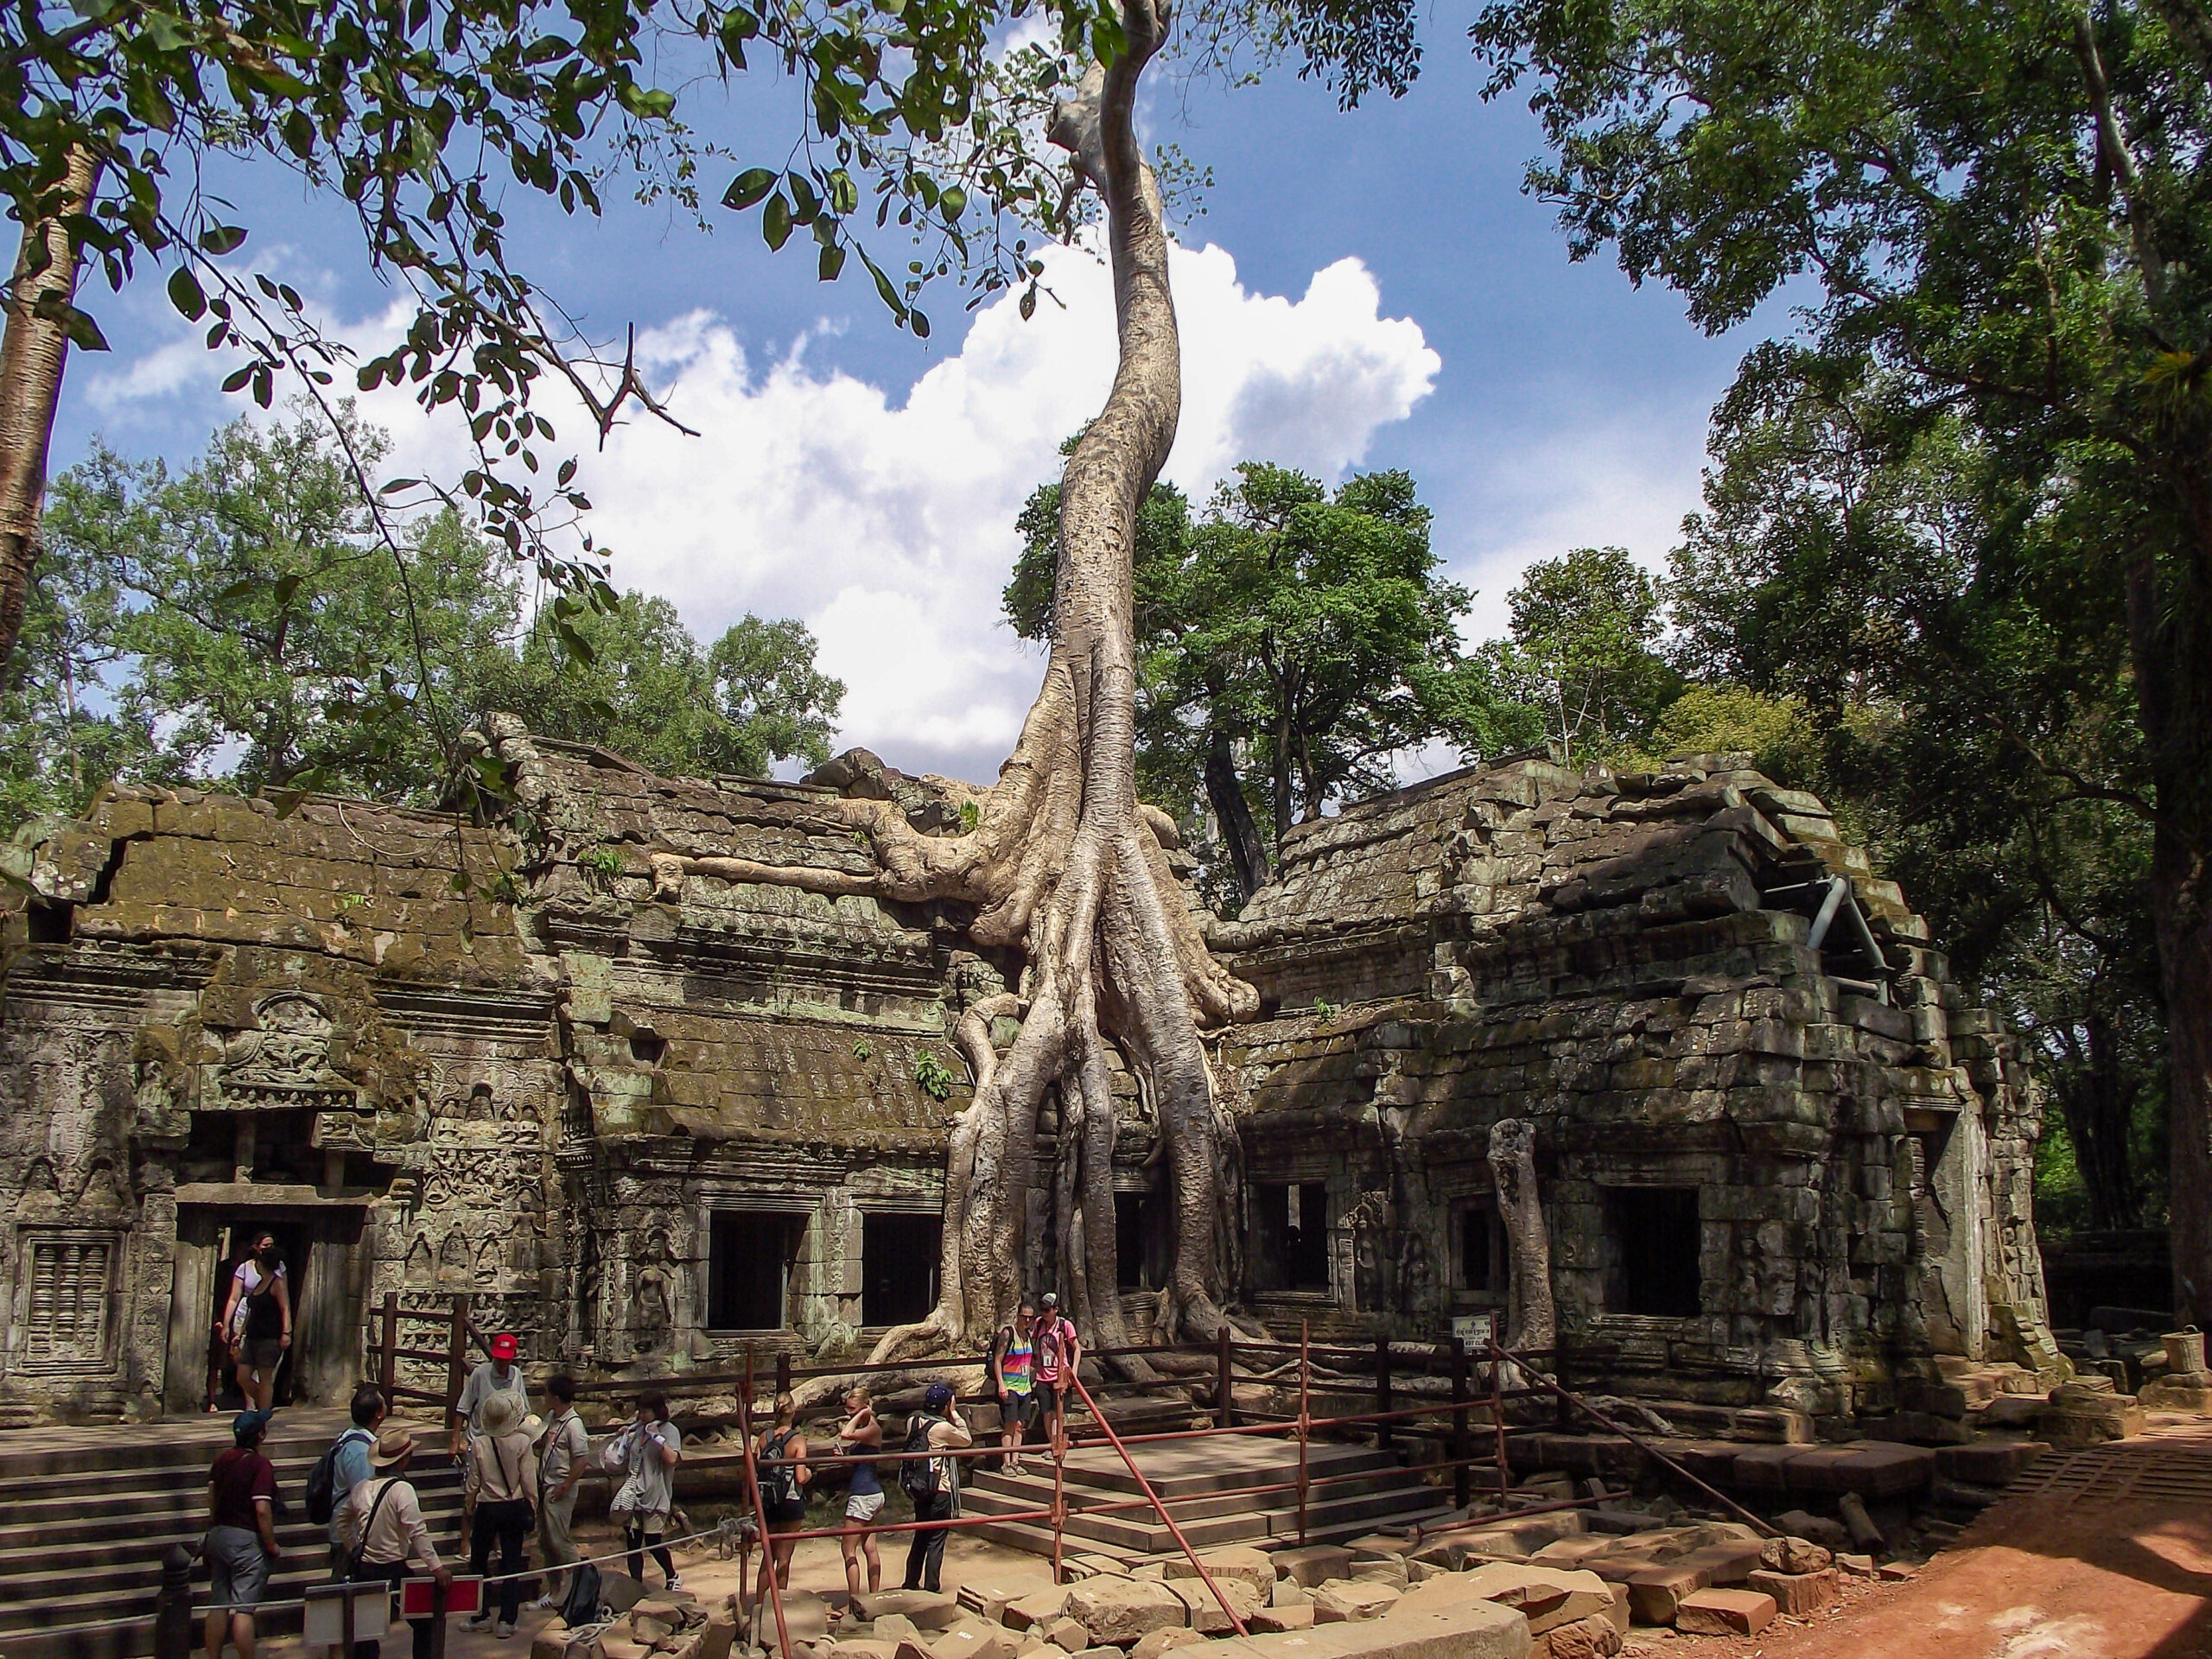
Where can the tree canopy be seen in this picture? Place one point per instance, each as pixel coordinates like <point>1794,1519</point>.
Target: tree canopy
<point>1581,650</point>
<point>1292,641</point>
<point>239,623</point>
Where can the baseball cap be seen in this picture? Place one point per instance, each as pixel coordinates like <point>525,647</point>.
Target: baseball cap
<point>503,1347</point>
<point>247,1424</point>
<point>938,1397</point>
<point>1049,1299</point>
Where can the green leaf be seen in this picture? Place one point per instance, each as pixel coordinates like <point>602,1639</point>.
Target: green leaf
<point>831,261</point>
<point>220,239</point>
<point>776,222</point>
<point>918,323</point>
<point>186,294</point>
<point>748,188</point>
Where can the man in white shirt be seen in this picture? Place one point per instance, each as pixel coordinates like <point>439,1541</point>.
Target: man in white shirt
<point>381,1523</point>
<point>497,1375</point>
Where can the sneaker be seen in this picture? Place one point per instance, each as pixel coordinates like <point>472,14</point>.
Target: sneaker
<point>504,1630</point>
<point>545,1604</point>
<point>479,1621</point>
<point>675,1584</point>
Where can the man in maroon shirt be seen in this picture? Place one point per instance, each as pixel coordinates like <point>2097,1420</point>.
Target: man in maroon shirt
<point>241,1541</point>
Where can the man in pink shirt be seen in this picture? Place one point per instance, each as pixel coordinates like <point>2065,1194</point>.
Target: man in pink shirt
<point>1058,1350</point>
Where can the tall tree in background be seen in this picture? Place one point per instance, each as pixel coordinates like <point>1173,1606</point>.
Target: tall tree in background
<point>2000,206</point>
<point>1292,642</point>
<point>1582,652</point>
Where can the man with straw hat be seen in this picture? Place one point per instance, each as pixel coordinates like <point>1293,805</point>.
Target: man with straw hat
<point>504,1472</point>
<point>383,1530</point>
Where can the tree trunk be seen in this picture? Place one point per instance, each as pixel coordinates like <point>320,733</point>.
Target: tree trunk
<point>32,353</point>
<point>1532,1324</point>
<point>1248,852</point>
<point>2099,1108</point>
<point>2170,636</point>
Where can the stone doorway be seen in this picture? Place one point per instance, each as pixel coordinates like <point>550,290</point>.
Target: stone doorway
<point>320,1244</point>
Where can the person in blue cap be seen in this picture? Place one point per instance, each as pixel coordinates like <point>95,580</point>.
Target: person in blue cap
<point>241,1541</point>
<point>933,1482</point>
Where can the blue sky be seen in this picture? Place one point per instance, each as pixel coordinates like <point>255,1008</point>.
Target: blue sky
<point>850,474</point>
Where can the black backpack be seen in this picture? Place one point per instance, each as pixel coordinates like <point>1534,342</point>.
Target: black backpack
<point>783,1477</point>
<point>581,1606</point>
<point>918,1477</point>
<point>322,1480</point>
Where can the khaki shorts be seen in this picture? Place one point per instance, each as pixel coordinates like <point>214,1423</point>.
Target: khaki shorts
<point>555,1516</point>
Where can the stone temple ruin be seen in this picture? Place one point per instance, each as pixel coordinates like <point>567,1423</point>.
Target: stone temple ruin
<point>648,1119</point>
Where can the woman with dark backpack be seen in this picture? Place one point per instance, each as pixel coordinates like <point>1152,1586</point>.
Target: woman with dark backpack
<point>257,1322</point>
<point>933,1482</point>
<point>780,1456</point>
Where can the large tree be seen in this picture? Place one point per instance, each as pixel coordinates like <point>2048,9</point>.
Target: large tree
<point>1996,209</point>
<point>1581,652</point>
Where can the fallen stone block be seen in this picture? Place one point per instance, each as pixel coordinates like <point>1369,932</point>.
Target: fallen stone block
<point>1814,1528</point>
<point>929,1610</point>
<point>1067,1635</point>
<point>1475,1629</point>
<point>1384,1569</point>
<point>1799,1594</point>
<point>1313,1564</point>
<point>1793,1555</point>
<point>1206,1614</point>
<point>805,1615</point>
<point>1763,1468</point>
<point>1863,1533</point>
<point>1726,1563</point>
<point>1725,1612</point>
<point>1655,1595</point>
<point>1572,1552</point>
<point>986,1601</point>
<point>1949,1494</point>
<point>620,1592</point>
<point>616,1645</point>
<point>720,1636</point>
<point>1297,1616</point>
<point>1858,1567</point>
<point>1255,1566</point>
<point>1289,1592</point>
<point>1895,1571</point>
<point>892,1626</point>
<point>1092,1566</point>
<point>1546,1596</point>
<point>863,1647</point>
<point>1037,1607</point>
<point>1153,1644</point>
<point>1121,1612</point>
<point>1593,1638</point>
<point>1342,1600</point>
<point>973,1642</point>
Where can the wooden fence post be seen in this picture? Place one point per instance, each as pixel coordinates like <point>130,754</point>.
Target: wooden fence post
<point>456,1362</point>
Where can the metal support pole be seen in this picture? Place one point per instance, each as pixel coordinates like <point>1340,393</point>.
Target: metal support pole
<point>1158,1508</point>
<point>1460,1481</point>
<point>1383,1441</point>
<point>388,1359</point>
<point>1304,1415</point>
<point>1223,1402</point>
<point>760,1512</point>
<point>173,1633</point>
<point>1059,1495</point>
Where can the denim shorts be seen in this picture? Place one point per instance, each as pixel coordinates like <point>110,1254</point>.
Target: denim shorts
<point>237,1571</point>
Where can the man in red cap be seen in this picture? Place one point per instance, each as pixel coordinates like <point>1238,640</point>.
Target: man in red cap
<point>497,1375</point>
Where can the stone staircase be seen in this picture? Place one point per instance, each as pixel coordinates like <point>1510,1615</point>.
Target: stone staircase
<point>91,1512</point>
<point>1204,1483</point>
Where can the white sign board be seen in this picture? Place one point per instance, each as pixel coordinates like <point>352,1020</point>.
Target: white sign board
<point>1473,1329</point>
<point>325,1624</point>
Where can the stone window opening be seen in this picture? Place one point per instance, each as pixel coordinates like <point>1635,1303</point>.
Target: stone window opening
<point>1479,1234</point>
<point>1652,1249</point>
<point>749,1269</point>
<point>1144,1243</point>
<point>899,1268</point>
<point>1290,1235</point>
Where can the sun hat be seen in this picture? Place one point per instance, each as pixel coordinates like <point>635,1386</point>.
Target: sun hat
<point>392,1446</point>
<point>502,1411</point>
<point>503,1347</point>
<point>533,1425</point>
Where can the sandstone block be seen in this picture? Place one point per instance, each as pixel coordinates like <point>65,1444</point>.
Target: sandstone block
<point>1313,1564</point>
<point>1255,1566</point>
<point>986,1601</point>
<point>1798,1594</point>
<point>1384,1569</point>
<point>1793,1555</point>
<point>1037,1607</point>
<point>1655,1595</point>
<point>1989,1462</point>
<point>1289,1592</point>
<point>1296,1616</point>
<point>910,1647</point>
<point>1153,1644</point>
<point>1341,1601</point>
<point>1475,1629</point>
<point>864,1647</point>
<point>1206,1614</point>
<point>1546,1596</point>
<point>1864,1532</point>
<point>551,1643</point>
<point>973,1642</point>
<point>616,1645</point>
<point>928,1610</point>
<point>1593,1638</point>
<point>1725,1564</point>
<point>1725,1612</point>
<point>1858,1567</point>
<point>1814,1528</point>
<point>720,1636</point>
<point>1067,1635</point>
<point>1121,1612</point>
<point>1895,1571</point>
<point>892,1626</point>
